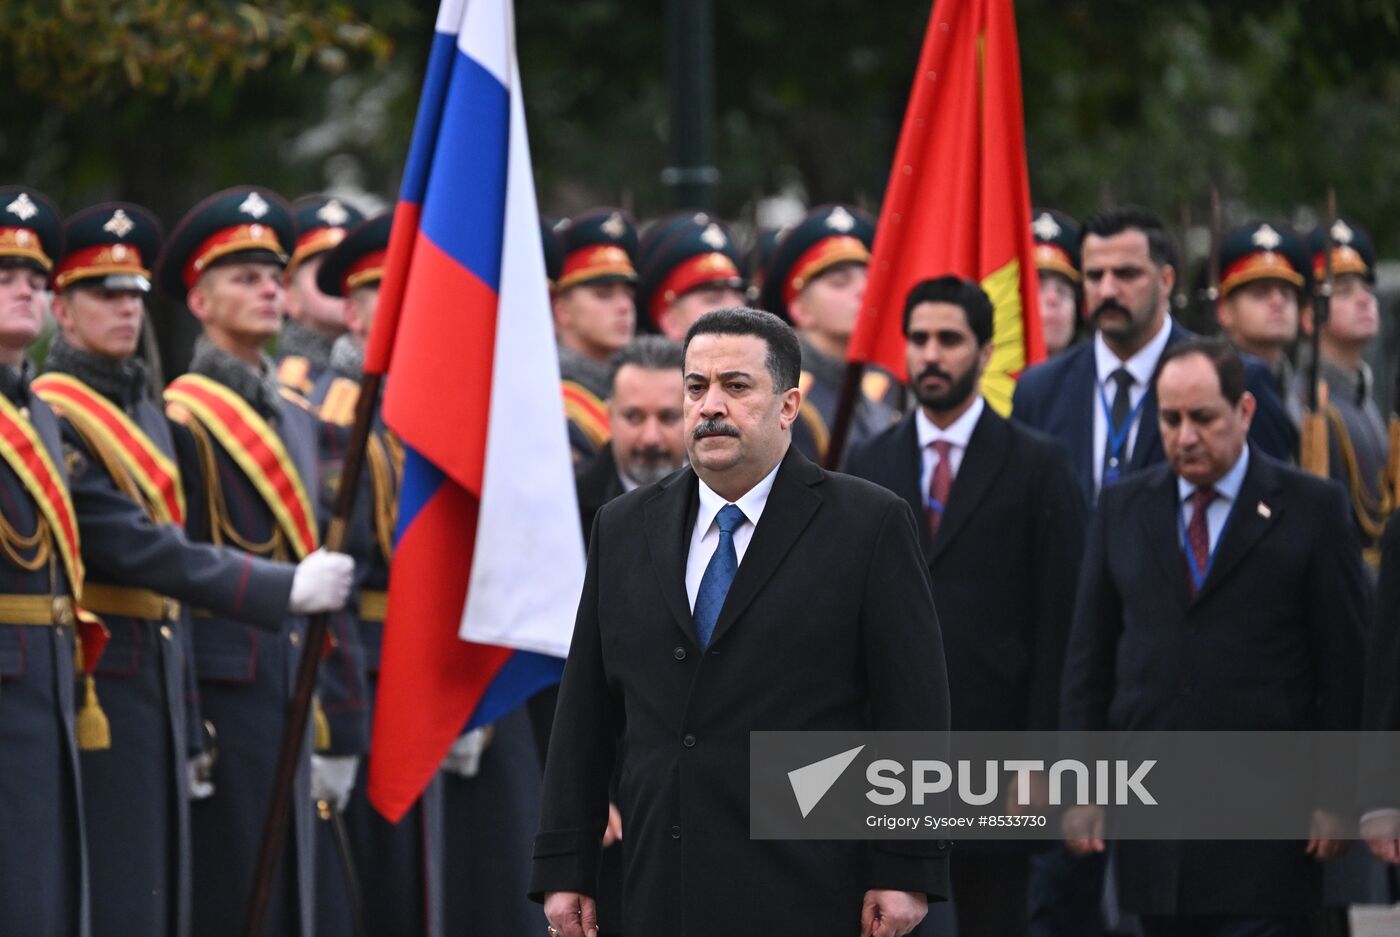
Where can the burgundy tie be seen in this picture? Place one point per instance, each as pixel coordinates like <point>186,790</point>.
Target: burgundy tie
<point>1198,533</point>
<point>939,485</point>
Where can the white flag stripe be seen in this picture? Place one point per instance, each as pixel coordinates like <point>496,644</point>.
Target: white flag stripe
<point>449,18</point>
<point>485,38</point>
<point>527,571</point>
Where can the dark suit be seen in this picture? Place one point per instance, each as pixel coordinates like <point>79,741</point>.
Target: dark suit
<point>829,625</point>
<point>1058,397</point>
<point>597,485</point>
<point>1271,642</point>
<point>1003,567</point>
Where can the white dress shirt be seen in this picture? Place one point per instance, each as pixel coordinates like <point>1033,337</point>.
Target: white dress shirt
<point>704,539</point>
<point>959,434</point>
<point>1140,366</point>
<point>1228,490</point>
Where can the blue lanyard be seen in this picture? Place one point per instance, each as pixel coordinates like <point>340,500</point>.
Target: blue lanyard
<point>1199,576</point>
<point>1117,436</point>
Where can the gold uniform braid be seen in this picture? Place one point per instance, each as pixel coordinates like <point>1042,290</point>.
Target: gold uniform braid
<point>384,471</point>
<point>220,525</point>
<point>1370,513</point>
<point>15,545</point>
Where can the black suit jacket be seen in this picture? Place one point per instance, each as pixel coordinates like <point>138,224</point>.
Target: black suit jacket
<point>1003,565</point>
<point>597,485</point>
<point>1271,642</point>
<point>1058,398</point>
<point>829,625</point>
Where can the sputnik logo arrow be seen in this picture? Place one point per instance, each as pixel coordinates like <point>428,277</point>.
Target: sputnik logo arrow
<point>811,782</point>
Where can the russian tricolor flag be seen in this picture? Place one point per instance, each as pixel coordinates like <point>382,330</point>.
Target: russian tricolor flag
<point>488,564</point>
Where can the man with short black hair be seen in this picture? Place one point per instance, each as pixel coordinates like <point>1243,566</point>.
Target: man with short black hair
<point>1003,536</point>
<point>1097,398</point>
<point>1209,576</point>
<point>720,601</point>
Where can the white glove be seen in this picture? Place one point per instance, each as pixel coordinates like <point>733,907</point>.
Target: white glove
<point>464,757</point>
<point>321,583</point>
<point>200,772</point>
<point>333,778</point>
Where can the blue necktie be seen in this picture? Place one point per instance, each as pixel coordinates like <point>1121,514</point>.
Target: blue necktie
<point>714,585</point>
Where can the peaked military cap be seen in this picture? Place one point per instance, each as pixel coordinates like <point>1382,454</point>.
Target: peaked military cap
<point>321,222</point>
<point>828,236</point>
<point>113,245</point>
<point>598,247</point>
<point>553,252</point>
<point>1352,250</point>
<point>681,253</point>
<point>1262,251</point>
<point>245,223</point>
<point>30,230</point>
<point>358,260</point>
<point>1056,243</point>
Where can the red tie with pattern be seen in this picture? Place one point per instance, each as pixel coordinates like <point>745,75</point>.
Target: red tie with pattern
<point>1198,535</point>
<point>939,485</point>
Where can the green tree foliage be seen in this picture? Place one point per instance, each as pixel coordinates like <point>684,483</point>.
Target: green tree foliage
<point>72,51</point>
<point>163,101</point>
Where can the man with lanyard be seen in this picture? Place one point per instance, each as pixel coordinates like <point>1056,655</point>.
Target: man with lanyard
<point>248,460</point>
<point>314,320</point>
<point>43,873</point>
<point>1097,396</point>
<point>142,571</point>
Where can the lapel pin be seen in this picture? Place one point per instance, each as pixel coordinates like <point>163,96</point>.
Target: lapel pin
<point>1264,511</point>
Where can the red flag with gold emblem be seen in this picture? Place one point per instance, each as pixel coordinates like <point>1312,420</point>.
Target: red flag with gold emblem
<point>958,199</point>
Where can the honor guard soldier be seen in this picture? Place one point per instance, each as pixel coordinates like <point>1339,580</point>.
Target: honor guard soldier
<point>1264,282</point>
<point>688,265</point>
<point>1057,260</point>
<point>398,866</point>
<point>816,280</point>
<point>314,320</point>
<point>594,316</point>
<point>1356,435</point>
<point>143,574</point>
<point>43,874</point>
<point>248,459</point>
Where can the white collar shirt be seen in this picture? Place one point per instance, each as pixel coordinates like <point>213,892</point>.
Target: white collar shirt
<point>958,433</point>
<point>704,538</point>
<point>1140,366</point>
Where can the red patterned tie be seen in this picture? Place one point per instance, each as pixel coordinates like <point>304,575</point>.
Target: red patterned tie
<point>1198,533</point>
<point>939,485</point>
